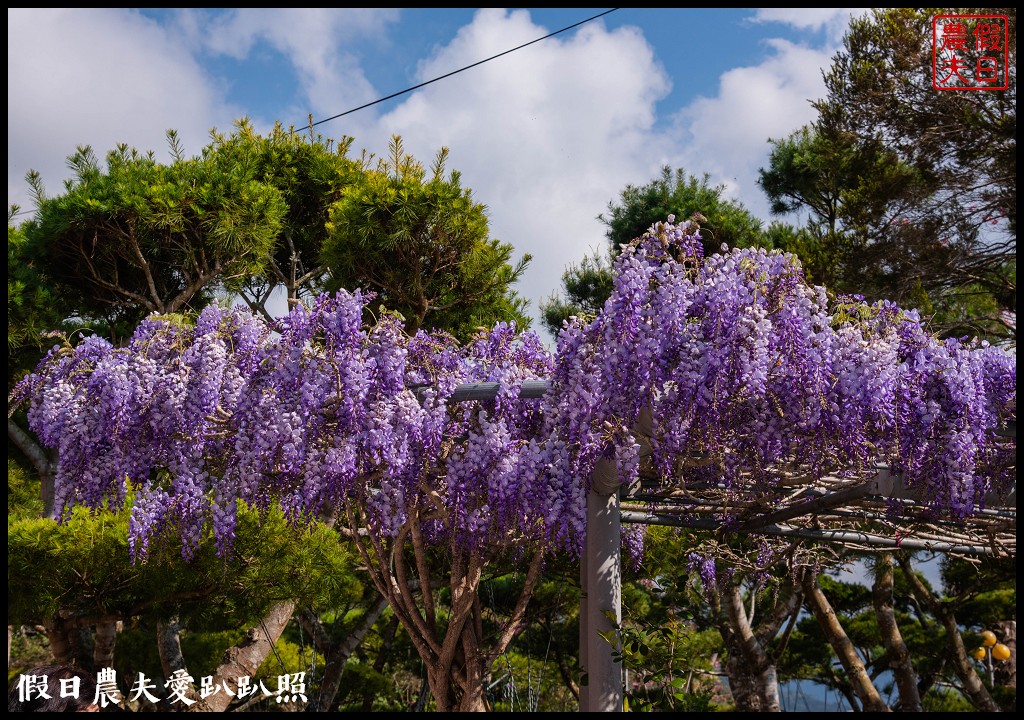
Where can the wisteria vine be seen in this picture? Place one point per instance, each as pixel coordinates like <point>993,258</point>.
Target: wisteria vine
<point>745,369</point>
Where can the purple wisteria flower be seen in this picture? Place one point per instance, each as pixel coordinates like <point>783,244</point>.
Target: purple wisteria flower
<point>740,363</point>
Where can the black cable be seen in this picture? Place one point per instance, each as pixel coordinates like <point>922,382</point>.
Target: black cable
<point>455,72</point>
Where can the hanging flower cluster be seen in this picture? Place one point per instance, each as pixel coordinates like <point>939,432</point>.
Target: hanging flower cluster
<point>749,372</point>
<point>742,365</point>
<point>313,412</point>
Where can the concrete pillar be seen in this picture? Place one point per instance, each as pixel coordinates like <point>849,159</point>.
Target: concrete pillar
<point>601,598</point>
<point>601,582</point>
<point>584,631</point>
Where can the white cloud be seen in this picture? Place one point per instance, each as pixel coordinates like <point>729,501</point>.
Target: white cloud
<point>75,77</point>
<point>317,42</point>
<point>547,135</point>
<point>727,135</point>
<point>834,20</point>
<point>102,76</point>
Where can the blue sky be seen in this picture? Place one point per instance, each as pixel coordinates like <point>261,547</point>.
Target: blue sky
<point>545,136</point>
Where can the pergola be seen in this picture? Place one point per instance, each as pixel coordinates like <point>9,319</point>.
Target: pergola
<point>850,510</point>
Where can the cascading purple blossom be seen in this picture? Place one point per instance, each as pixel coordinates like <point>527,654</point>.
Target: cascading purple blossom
<point>748,369</point>
<point>744,367</point>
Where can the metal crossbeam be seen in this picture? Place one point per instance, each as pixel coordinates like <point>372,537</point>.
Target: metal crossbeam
<point>834,536</point>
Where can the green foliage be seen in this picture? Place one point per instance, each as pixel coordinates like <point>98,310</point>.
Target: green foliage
<point>945,700</point>
<point>845,188</point>
<point>204,650</point>
<point>820,255</point>
<point>310,172</point>
<point>33,309</point>
<point>524,682</point>
<point>87,573</point>
<point>251,214</point>
<point>912,191</point>
<point>845,597</point>
<point>669,640</point>
<point>586,286</point>
<point>79,569</point>
<point>668,664</point>
<point>724,222</point>
<point>422,243</point>
<point>289,657</point>
<point>369,683</point>
<point>136,649</point>
<point>1005,696</point>
<point>29,648</point>
<point>839,181</point>
<point>136,236</point>
<point>385,674</point>
<point>22,489</point>
<point>986,592</point>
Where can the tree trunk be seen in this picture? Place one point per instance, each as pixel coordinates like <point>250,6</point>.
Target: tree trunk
<point>81,646</point>
<point>452,671</point>
<point>40,460</point>
<point>60,645</point>
<point>338,655</point>
<point>744,687</point>
<point>245,658</point>
<point>1006,671</point>
<point>751,671</point>
<point>844,649</point>
<point>899,655</point>
<point>103,645</point>
<point>962,666</point>
<point>456,661</point>
<point>168,645</point>
<point>973,686</point>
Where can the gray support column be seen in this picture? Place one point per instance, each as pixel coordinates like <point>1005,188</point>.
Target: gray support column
<point>601,582</point>
<point>601,585</point>
<point>584,630</point>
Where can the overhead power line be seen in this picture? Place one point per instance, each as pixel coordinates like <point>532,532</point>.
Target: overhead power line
<point>456,72</point>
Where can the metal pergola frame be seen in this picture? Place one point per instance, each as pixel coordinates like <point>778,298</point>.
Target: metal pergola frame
<point>827,509</point>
